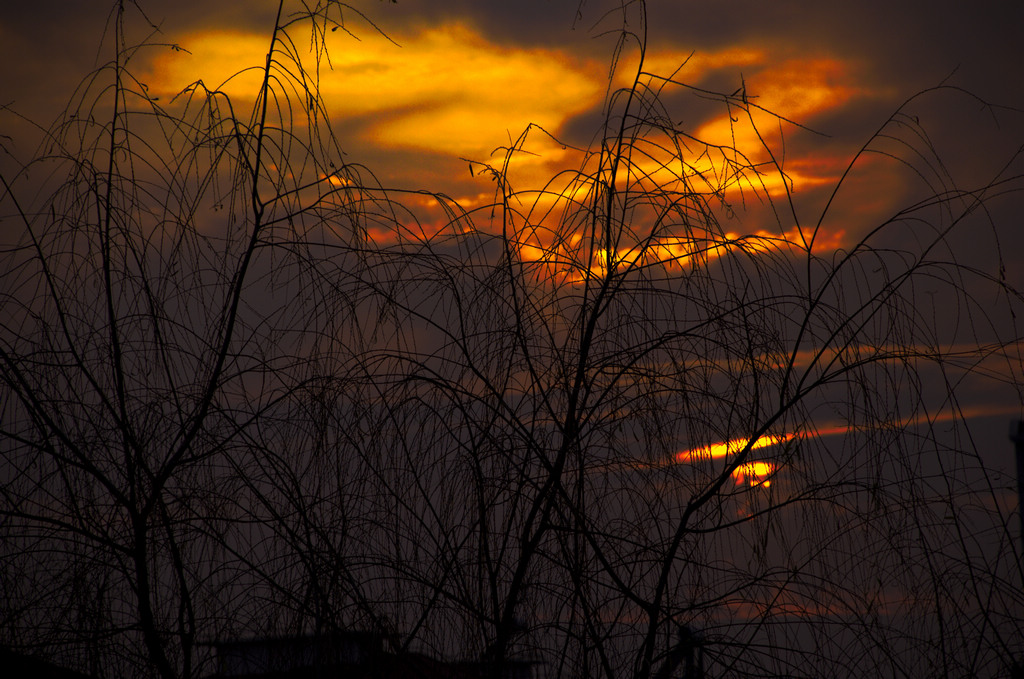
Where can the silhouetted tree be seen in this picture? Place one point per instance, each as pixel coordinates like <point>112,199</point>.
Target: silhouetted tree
<point>228,410</point>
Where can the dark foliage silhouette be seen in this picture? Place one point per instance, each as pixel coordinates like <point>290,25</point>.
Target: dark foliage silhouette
<point>228,410</point>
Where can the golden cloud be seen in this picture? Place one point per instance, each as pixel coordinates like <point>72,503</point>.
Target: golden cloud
<point>796,90</point>
<point>445,89</point>
<point>228,61</point>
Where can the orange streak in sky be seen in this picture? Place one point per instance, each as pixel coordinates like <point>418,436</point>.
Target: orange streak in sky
<point>730,447</point>
<point>756,473</point>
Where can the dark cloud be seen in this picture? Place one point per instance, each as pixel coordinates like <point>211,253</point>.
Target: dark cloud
<point>45,50</point>
<point>532,22</point>
<point>903,44</point>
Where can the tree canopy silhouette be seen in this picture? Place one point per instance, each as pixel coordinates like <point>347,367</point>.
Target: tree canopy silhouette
<point>248,389</point>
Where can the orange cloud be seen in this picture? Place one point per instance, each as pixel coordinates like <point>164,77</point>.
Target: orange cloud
<point>229,61</point>
<point>449,90</point>
<point>566,263</point>
<point>796,90</point>
<point>445,89</point>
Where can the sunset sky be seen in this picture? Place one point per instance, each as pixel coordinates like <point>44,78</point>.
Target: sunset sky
<point>458,79</point>
<point>416,356</point>
<point>453,81</point>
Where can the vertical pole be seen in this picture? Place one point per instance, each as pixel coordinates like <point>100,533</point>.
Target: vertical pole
<point>1017,436</point>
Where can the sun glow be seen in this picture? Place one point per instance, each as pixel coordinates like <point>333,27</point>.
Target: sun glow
<point>731,447</point>
<point>759,472</point>
<point>754,474</point>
